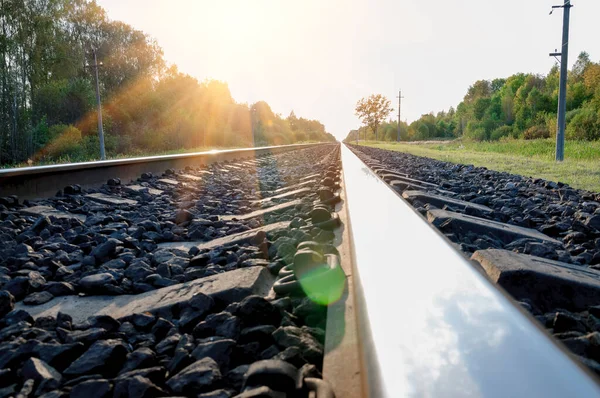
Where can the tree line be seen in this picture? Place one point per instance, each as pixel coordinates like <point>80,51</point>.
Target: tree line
<point>520,106</point>
<point>47,91</point>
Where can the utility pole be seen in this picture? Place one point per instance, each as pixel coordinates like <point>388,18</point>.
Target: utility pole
<point>562,90</point>
<point>399,109</point>
<point>100,131</point>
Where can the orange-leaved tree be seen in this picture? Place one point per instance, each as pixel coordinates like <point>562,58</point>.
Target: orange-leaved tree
<point>372,111</point>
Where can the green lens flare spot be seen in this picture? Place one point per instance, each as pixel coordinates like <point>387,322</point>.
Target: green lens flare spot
<point>323,285</point>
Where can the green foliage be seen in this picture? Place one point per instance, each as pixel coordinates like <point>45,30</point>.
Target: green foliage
<point>45,86</point>
<point>585,125</point>
<point>373,110</point>
<point>65,142</point>
<point>501,132</point>
<point>522,105</point>
<point>536,132</point>
<point>476,132</point>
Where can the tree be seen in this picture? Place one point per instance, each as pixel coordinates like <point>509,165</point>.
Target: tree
<point>373,110</point>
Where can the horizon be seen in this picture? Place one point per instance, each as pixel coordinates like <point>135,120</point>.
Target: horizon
<point>269,56</point>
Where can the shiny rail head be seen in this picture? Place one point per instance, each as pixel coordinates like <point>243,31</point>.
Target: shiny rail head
<point>45,181</point>
<point>17,171</point>
<point>431,324</point>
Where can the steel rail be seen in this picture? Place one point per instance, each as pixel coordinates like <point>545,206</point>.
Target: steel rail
<point>430,324</point>
<point>44,181</point>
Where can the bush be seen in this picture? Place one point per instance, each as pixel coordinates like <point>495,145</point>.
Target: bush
<point>65,142</point>
<point>536,132</point>
<point>501,132</point>
<point>551,123</point>
<point>585,125</point>
<point>91,147</point>
<point>476,132</point>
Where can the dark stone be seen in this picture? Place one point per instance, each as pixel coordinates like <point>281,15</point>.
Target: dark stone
<point>105,357</point>
<point>155,374</point>
<point>235,377</point>
<point>167,346</point>
<point>23,250</point>
<point>16,316</point>
<point>261,334</point>
<point>143,321</point>
<point>247,353</point>
<point>309,310</point>
<point>105,250</point>
<point>269,352</point>
<point>140,358</point>
<point>7,303</point>
<point>38,298</point>
<point>201,260</point>
<point>87,336</point>
<point>564,322</point>
<point>183,216</point>
<point>99,388</point>
<point>8,391</point>
<point>96,282</point>
<point>291,336</point>
<point>18,287</point>
<point>59,288</point>
<point>45,322</point>
<point>45,376</point>
<point>255,310</point>
<point>161,328</point>
<point>201,376</point>
<point>180,360</point>
<point>64,321</point>
<point>219,350</point>
<point>138,272</point>
<point>72,189</point>
<point>40,224</point>
<point>222,324</point>
<point>58,356</point>
<point>115,264</point>
<point>9,201</point>
<point>136,387</point>
<point>198,306</point>
<point>106,322</point>
<point>593,222</point>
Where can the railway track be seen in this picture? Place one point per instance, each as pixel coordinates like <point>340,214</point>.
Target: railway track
<point>285,271</point>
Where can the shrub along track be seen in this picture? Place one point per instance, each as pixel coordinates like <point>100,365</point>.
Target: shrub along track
<point>538,239</point>
<point>176,272</point>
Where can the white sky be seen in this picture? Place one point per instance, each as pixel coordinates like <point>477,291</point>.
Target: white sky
<point>319,57</point>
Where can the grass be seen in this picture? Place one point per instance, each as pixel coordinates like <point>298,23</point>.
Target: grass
<point>533,158</point>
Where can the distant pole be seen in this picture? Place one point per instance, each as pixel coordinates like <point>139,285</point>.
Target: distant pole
<point>252,127</point>
<point>100,131</point>
<point>399,109</point>
<point>562,90</point>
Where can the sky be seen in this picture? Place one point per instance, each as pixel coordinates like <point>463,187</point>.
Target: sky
<point>319,57</point>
